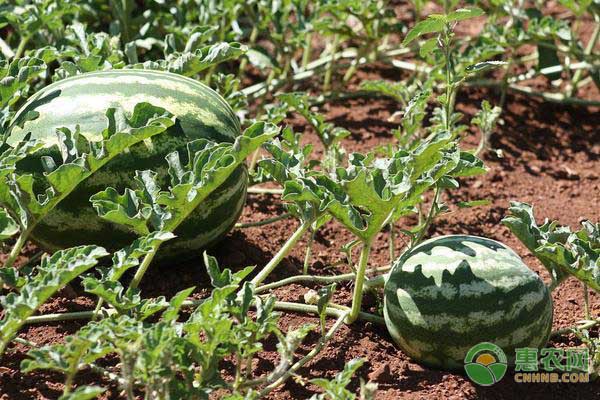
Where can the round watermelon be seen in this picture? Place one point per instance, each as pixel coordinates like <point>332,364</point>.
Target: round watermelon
<point>83,100</point>
<point>452,292</point>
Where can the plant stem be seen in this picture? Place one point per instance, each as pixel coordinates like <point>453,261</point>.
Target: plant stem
<point>300,363</point>
<point>504,87</point>
<point>316,279</point>
<point>587,51</point>
<point>139,274</point>
<point>263,222</point>
<point>16,250</point>
<point>259,190</point>
<point>56,317</point>
<point>547,96</point>
<point>251,41</point>
<point>253,161</point>
<point>569,329</point>
<point>330,65</point>
<point>332,310</point>
<point>359,282</point>
<point>21,48</point>
<point>306,50</point>
<point>352,69</point>
<point>429,219</point>
<point>282,253</point>
<point>586,302</point>
<point>308,254</point>
<point>448,105</point>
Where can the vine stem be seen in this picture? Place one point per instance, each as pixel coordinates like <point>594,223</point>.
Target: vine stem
<point>308,254</point>
<point>504,88</point>
<point>587,51</point>
<point>261,88</point>
<point>300,363</point>
<point>139,274</point>
<point>319,279</point>
<point>352,69</point>
<point>569,329</point>
<point>359,282</point>
<point>429,218</point>
<point>21,48</point>
<point>263,222</point>
<point>16,250</point>
<point>547,96</point>
<point>282,253</point>
<point>251,41</point>
<point>333,310</point>
<point>330,65</point>
<point>259,190</point>
<point>57,317</point>
<point>306,50</point>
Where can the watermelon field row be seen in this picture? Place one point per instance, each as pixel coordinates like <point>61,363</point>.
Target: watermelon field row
<point>291,199</point>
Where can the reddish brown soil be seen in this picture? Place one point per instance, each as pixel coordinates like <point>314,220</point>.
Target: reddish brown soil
<point>551,158</point>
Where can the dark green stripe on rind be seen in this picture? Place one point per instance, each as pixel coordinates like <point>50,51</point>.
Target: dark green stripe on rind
<point>83,100</point>
<point>437,316</point>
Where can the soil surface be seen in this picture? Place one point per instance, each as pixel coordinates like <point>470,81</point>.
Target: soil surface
<point>550,158</point>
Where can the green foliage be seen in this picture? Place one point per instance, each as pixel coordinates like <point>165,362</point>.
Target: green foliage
<point>329,134</point>
<point>8,226</point>
<point>83,393</point>
<point>164,352</point>
<point>54,273</point>
<point>150,208</point>
<point>30,198</point>
<point>563,252</point>
<point>371,193</point>
<point>336,389</point>
<point>179,356</point>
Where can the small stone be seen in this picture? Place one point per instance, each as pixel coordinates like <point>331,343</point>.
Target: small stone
<point>381,374</point>
<point>571,173</point>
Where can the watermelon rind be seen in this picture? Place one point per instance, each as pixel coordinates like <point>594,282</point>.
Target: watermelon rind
<point>81,102</point>
<point>452,292</point>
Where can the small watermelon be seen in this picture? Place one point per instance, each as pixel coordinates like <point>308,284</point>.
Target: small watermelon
<point>452,292</point>
<point>83,100</point>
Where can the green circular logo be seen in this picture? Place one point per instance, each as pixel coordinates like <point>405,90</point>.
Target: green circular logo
<point>485,363</point>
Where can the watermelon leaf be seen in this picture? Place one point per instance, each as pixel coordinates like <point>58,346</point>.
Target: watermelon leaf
<point>53,273</point>
<point>190,64</point>
<point>326,131</point>
<point>562,251</point>
<point>336,388</point>
<point>150,208</point>
<point>8,226</point>
<point>79,159</point>
<point>84,393</point>
<point>16,76</point>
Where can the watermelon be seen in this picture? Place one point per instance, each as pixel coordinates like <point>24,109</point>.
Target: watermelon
<point>83,100</point>
<point>450,293</point>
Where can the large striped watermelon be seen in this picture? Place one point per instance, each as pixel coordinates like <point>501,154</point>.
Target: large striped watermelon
<point>83,100</point>
<point>452,292</point>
